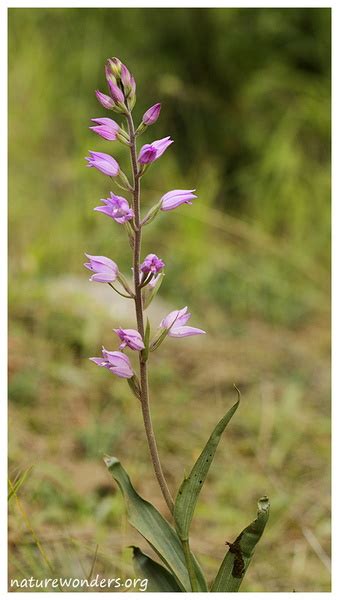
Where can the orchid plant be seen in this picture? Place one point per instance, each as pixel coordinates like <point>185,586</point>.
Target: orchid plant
<point>180,571</point>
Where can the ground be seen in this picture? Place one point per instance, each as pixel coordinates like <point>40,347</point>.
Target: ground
<point>65,414</point>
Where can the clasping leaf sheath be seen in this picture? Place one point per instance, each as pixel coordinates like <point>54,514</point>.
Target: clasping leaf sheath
<point>155,529</point>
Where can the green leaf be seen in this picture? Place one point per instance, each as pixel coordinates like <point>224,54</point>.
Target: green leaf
<point>159,578</point>
<point>237,559</point>
<point>191,486</point>
<point>159,338</point>
<point>148,293</point>
<point>154,528</point>
<point>200,577</point>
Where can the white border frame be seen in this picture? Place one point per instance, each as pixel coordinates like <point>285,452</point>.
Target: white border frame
<point>3,243</point>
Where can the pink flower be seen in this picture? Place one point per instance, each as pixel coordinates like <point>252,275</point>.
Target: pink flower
<point>150,152</point>
<point>174,198</point>
<point>152,264</point>
<point>176,321</point>
<point>106,128</point>
<point>116,362</point>
<point>104,163</point>
<point>130,338</point>
<point>105,269</point>
<point>117,208</point>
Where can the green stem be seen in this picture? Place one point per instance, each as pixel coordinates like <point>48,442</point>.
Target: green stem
<point>189,565</point>
<point>144,393</point>
<point>117,291</point>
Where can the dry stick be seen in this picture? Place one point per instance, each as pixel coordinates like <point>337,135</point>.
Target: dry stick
<point>140,322</point>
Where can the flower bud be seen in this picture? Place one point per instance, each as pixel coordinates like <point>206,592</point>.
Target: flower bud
<point>121,84</point>
<point>104,163</point>
<point>152,114</point>
<point>104,100</point>
<point>150,152</point>
<point>113,68</point>
<point>106,128</point>
<point>175,198</point>
<point>127,80</point>
<point>116,93</point>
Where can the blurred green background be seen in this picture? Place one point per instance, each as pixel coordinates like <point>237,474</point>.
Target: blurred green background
<point>246,96</point>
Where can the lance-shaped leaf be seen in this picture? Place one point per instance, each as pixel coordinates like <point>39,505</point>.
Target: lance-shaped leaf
<point>190,488</point>
<point>155,529</point>
<point>237,559</point>
<point>159,578</point>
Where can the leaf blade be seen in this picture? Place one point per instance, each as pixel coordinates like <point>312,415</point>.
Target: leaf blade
<point>154,528</point>
<point>190,488</point>
<point>235,564</point>
<point>159,578</point>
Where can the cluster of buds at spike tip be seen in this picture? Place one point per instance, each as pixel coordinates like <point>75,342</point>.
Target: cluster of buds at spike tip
<point>121,86</point>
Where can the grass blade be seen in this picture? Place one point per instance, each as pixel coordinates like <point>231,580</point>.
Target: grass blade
<point>18,483</point>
